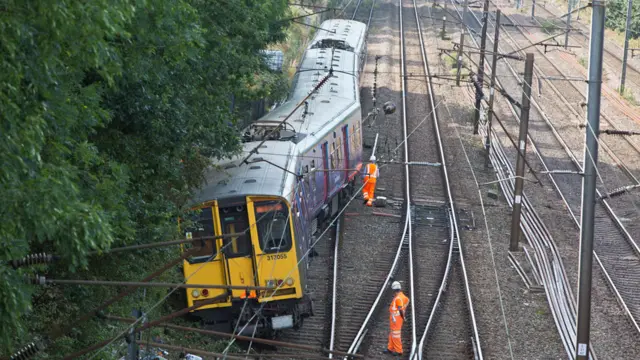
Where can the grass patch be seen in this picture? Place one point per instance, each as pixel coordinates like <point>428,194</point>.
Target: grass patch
<point>628,96</point>
<point>582,61</point>
<point>452,65</point>
<point>549,27</point>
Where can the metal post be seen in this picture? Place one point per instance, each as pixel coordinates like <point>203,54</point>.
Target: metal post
<point>444,25</point>
<point>460,58</point>
<point>626,47</point>
<point>483,44</point>
<point>132,337</point>
<point>444,21</point>
<point>494,63</point>
<point>566,34</point>
<point>460,49</point>
<point>522,151</point>
<point>589,178</point>
<point>533,8</point>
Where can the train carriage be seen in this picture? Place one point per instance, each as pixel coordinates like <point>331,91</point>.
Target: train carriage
<point>285,194</point>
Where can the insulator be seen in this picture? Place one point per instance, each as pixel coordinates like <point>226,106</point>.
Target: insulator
<point>34,259</point>
<point>26,352</point>
<point>37,280</point>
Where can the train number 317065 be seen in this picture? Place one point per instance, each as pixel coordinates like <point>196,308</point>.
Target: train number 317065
<point>276,256</point>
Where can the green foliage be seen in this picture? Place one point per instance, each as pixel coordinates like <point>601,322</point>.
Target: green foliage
<point>111,110</point>
<point>549,27</point>
<point>628,95</point>
<point>582,61</point>
<point>617,17</point>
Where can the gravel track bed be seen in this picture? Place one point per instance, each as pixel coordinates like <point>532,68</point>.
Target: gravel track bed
<point>617,255</point>
<point>530,325</point>
<point>431,231</point>
<point>363,11</point>
<point>625,206</point>
<point>561,64</point>
<point>369,241</point>
<point>430,252</point>
<point>448,340</point>
<point>612,60</point>
<point>606,344</point>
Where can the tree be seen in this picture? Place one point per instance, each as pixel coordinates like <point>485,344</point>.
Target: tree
<point>111,110</point>
<point>617,17</point>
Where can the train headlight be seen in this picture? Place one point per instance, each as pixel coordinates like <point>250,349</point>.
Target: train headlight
<point>195,293</point>
<point>205,292</point>
<point>271,283</point>
<point>289,281</point>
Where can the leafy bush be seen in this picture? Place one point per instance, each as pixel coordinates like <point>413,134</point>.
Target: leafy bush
<point>111,110</point>
<point>617,17</point>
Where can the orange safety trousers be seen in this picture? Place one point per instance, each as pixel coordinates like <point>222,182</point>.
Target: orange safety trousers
<point>369,189</point>
<point>395,335</point>
<point>396,321</point>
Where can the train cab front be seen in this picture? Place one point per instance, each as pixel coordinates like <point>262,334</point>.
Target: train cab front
<point>256,258</point>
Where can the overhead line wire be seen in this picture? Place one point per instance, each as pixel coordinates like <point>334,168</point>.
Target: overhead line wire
<point>214,255</point>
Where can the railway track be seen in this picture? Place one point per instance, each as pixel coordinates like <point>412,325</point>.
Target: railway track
<point>429,245</point>
<point>611,59</point>
<point>615,247</point>
<point>614,250</point>
<point>441,287</point>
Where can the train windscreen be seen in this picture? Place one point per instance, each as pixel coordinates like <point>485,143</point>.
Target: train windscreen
<point>273,226</point>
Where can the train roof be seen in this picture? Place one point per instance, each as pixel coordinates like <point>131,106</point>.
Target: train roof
<point>339,96</point>
<point>262,175</point>
<point>352,33</point>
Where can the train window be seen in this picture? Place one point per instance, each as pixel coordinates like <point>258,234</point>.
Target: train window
<point>273,226</point>
<point>235,220</point>
<point>201,225</point>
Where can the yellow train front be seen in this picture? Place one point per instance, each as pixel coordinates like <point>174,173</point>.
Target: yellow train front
<point>264,256</point>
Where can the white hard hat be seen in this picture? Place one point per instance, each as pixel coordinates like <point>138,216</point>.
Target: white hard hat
<point>372,158</point>
<point>396,285</point>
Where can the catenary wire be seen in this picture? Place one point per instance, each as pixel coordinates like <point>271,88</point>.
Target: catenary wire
<point>214,255</point>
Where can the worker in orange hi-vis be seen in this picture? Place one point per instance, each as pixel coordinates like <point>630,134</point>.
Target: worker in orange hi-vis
<point>371,173</point>
<point>396,319</point>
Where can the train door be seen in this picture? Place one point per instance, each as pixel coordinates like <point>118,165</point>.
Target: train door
<point>325,165</point>
<point>276,257</point>
<point>237,250</point>
<point>206,265</point>
<point>347,156</point>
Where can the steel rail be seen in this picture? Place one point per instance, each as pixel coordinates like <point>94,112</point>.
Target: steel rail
<point>455,238</point>
<point>608,209</point>
<point>583,33</point>
<point>406,233</point>
<point>562,306</point>
<point>334,296</point>
<point>355,11</point>
<point>334,290</point>
<point>603,142</point>
<point>552,298</point>
<point>408,182</point>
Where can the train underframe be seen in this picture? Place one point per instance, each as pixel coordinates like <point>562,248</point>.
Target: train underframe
<point>250,318</point>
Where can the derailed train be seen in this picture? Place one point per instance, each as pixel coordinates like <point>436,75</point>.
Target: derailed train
<point>285,193</point>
